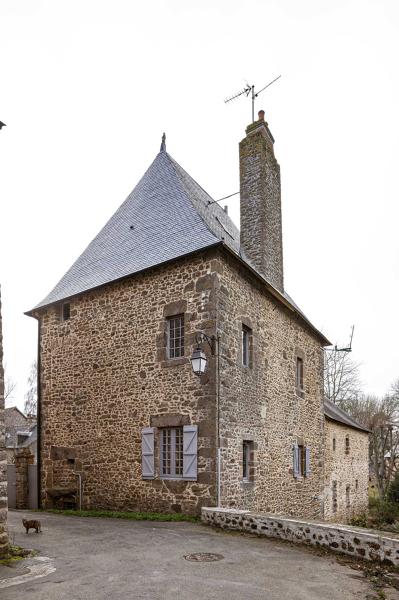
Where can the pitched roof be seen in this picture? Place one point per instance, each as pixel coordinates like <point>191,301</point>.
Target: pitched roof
<point>334,413</point>
<point>168,215</point>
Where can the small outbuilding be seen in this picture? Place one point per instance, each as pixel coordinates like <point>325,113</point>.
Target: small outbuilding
<point>346,460</point>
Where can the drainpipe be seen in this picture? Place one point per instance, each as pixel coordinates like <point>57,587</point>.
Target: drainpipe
<point>38,417</point>
<point>218,451</point>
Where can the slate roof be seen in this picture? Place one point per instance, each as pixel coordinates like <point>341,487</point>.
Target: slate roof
<point>168,215</point>
<point>334,413</point>
<point>16,424</point>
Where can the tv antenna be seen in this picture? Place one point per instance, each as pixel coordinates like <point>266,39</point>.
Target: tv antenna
<point>347,349</point>
<point>250,89</point>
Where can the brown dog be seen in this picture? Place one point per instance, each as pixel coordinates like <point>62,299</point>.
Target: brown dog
<point>32,525</point>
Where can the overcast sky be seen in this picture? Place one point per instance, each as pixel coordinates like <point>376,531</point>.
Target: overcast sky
<point>88,87</point>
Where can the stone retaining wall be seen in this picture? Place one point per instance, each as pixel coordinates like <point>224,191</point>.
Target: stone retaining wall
<point>361,543</point>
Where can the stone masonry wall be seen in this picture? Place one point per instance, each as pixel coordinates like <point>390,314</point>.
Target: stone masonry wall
<point>260,403</point>
<point>348,470</point>
<point>355,541</point>
<point>3,457</point>
<point>105,376</point>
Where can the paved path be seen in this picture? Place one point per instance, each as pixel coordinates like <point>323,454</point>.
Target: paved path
<point>98,559</point>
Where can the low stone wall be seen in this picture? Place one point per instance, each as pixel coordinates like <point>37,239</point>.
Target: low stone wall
<point>361,543</point>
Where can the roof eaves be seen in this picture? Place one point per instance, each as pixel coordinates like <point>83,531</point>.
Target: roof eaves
<point>336,414</point>
<point>33,312</point>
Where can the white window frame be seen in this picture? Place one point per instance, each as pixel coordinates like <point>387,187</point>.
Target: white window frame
<point>172,474</point>
<point>171,352</point>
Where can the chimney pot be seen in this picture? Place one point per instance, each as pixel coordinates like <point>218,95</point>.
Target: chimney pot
<point>261,115</point>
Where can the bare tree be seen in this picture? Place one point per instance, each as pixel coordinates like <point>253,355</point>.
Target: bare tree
<point>341,378</point>
<point>30,407</point>
<point>381,416</point>
<point>9,388</point>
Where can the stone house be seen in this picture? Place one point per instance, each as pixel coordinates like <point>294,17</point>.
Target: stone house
<point>123,421</point>
<point>346,465</point>
<point>3,458</point>
<point>21,432</point>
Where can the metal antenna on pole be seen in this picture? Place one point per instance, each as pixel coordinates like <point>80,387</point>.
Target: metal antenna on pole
<point>347,349</point>
<point>250,89</point>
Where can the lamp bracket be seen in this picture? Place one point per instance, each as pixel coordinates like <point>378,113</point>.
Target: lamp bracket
<point>201,337</point>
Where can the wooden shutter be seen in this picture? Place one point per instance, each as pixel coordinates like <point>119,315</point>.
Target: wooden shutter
<point>295,455</point>
<point>190,443</point>
<point>147,453</point>
<point>308,469</point>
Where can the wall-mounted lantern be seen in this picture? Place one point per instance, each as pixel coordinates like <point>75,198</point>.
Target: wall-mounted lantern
<point>198,358</point>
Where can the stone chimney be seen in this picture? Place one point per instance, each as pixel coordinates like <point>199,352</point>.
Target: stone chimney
<point>260,202</point>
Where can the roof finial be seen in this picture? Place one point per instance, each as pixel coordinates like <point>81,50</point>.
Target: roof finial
<point>163,145</point>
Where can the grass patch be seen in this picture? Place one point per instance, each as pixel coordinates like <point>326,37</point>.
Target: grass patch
<point>15,553</point>
<point>130,515</point>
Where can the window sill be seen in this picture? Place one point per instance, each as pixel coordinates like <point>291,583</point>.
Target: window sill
<point>300,393</point>
<point>247,483</point>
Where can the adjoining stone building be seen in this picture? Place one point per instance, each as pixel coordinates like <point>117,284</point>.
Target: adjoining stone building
<point>346,465</point>
<point>21,432</point>
<point>123,421</point>
<point>3,457</point>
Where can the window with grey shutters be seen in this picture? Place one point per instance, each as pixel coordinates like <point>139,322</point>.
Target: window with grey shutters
<point>308,469</point>
<point>147,453</point>
<point>295,456</point>
<point>301,460</point>
<point>178,452</point>
<point>190,452</point>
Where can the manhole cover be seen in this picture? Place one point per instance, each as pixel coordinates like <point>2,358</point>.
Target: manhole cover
<point>203,557</point>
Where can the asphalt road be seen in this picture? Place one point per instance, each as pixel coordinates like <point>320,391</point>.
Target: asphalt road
<point>120,560</point>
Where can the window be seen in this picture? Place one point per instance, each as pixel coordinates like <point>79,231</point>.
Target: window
<point>302,466</point>
<point>66,311</point>
<point>301,460</point>
<point>299,374</point>
<point>246,347</point>
<point>357,484</point>
<point>171,452</point>
<point>348,496</point>
<point>347,445</point>
<point>334,497</point>
<point>334,443</point>
<point>247,449</point>
<point>176,336</point>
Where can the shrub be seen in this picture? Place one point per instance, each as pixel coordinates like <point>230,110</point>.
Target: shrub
<point>393,491</point>
<point>383,511</point>
<point>360,520</point>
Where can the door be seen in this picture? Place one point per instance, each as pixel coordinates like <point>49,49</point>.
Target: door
<point>11,486</point>
<point>32,486</point>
